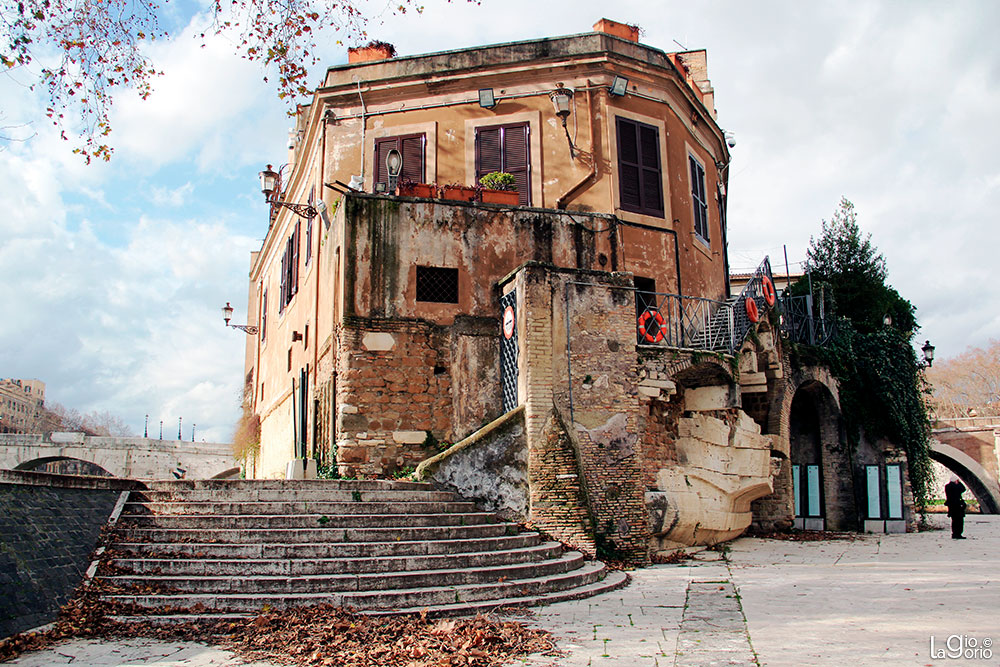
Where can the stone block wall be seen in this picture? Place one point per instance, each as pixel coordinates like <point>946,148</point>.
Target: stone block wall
<point>393,388</point>
<point>49,525</point>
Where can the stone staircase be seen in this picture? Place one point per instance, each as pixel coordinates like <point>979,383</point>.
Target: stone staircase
<point>209,549</point>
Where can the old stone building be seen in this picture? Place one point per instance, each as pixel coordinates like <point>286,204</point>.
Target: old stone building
<point>582,348</point>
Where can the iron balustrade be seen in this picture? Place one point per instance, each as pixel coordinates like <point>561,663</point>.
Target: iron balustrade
<point>701,324</point>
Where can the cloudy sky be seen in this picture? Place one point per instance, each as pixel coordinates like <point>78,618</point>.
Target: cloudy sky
<point>114,274</point>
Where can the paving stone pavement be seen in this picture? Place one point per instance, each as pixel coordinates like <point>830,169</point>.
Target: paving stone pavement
<point>871,600</point>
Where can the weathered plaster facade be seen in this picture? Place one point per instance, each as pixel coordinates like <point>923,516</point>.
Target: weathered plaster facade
<point>380,320</point>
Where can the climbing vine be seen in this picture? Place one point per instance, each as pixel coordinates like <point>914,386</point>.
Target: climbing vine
<point>883,393</point>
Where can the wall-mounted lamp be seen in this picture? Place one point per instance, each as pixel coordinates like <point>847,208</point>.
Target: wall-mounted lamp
<point>619,86</point>
<point>561,100</point>
<point>394,164</point>
<point>486,98</point>
<point>227,314</point>
<point>928,351</point>
<point>270,185</point>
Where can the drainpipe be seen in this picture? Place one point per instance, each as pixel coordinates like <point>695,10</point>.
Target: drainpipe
<point>566,196</point>
<point>364,113</point>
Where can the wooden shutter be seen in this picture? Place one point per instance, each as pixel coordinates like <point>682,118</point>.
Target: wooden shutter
<point>629,171</point>
<point>296,237</point>
<point>639,172</point>
<point>284,281</point>
<point>488,155</point>
<point>412,149</point>
<point>382,148</point>
<point>515,159</point>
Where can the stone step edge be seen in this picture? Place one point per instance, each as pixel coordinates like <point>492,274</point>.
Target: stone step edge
<point>394,515</point>
<point>193,545</point>
<point>613,581</point>
<point>586,569</point>
<point>566,557</point>
<point>543,546</point>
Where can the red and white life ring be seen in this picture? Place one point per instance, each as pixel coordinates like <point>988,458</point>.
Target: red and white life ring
<point>660,322</point>
<point>752,311</point>
<point>768,289</point>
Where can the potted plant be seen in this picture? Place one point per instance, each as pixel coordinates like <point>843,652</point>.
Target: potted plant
<point>458,192</point>
<point>411,189</point>
<point>499,187</point>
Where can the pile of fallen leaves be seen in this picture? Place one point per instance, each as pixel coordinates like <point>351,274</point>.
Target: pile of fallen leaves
<point>318,635</point>
<point>672,558</point>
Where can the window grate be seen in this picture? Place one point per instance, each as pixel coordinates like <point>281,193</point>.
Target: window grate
<point>437,284</point>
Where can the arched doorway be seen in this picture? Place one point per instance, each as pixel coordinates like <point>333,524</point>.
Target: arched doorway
<point>822,483</point>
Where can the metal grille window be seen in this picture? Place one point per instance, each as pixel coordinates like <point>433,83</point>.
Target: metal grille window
<point>437,284</point>
<point>698,199</point>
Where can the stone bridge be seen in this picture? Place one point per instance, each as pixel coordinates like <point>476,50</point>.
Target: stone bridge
<point>131,458</point>
<point>968,447</point>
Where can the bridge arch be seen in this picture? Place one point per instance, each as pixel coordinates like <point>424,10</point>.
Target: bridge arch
<point>34,464</point>
<point>973,475</point>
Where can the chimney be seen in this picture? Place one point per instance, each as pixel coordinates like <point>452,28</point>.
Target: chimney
<point>370,52</point>
<point>609,27</point>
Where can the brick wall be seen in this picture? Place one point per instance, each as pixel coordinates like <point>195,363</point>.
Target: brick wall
<point>556,490</point>
<point>48,530</point>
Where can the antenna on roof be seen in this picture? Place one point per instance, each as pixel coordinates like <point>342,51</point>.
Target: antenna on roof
<point>680,45</point>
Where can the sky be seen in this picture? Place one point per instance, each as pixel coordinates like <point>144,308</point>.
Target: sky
<point>114,275</point>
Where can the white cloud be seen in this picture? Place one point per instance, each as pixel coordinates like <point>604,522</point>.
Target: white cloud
<point>174,197</point>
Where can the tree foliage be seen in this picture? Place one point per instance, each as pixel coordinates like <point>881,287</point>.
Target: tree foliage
<point>99,49</point>
<point>846,262</point>
<point>968,382</point>
<point>882,386</point>
<point>97,422</point>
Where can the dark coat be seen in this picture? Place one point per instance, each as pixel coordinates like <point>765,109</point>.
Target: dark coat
<point>953,498</point>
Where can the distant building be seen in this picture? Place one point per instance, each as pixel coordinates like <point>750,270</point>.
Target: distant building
<point>22,405</point>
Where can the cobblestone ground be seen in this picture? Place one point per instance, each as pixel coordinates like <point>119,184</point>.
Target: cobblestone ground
<point>871,600</point>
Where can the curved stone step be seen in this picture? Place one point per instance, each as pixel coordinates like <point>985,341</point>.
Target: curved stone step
<point>310,566</point>
<point>613,581</point>
<point>280,550</point>
<point>265,507</point>
<point>251,582</point>
<point>293,535</point>
<point>326,521</point>
<point>382,600</point>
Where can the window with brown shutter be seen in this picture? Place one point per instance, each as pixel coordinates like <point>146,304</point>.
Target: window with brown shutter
<point>506,148</point>
<point>699,201</point>
<point>411,147</point>
<point>640,179</point>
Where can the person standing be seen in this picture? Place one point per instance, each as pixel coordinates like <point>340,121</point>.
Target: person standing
<point>953,491</point>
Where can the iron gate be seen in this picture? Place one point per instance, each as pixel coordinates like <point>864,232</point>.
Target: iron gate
<point>508,350</point>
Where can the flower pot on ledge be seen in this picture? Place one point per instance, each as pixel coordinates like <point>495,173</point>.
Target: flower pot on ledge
<point>425,190</point>
<point>503,197</point>
<point>458,193</point>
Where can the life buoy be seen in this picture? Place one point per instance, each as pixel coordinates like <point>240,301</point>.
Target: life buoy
<point>768,289</point>
<point>752,312</point>
<point>660,323</point>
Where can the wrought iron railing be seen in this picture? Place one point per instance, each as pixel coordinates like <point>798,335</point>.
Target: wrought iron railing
<point>674,320</point>
<point>800,325</point>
